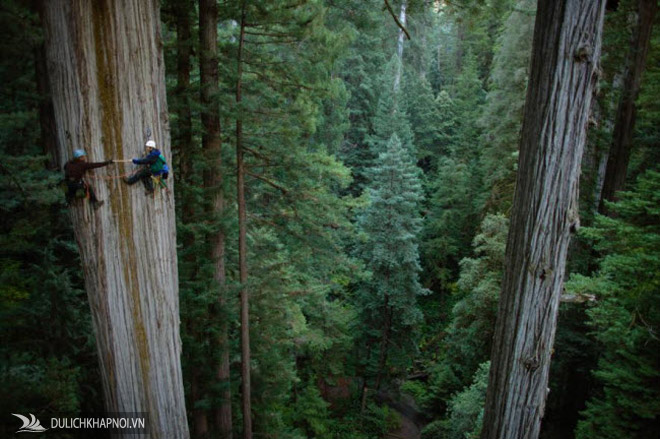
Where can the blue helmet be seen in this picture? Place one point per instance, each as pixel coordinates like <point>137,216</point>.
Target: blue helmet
<point>79,153</point>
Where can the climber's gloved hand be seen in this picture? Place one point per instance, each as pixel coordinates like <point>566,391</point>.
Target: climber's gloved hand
<point>135,161</point>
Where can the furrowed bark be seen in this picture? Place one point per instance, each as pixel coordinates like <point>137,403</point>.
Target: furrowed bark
<point>619,156</point>
<point>107,81</point>
<point>566,51</point>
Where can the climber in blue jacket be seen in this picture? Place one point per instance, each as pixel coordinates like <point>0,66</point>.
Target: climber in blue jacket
<point>155,165</point>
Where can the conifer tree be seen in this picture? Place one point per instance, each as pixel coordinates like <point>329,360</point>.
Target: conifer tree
<point>390,117</point>
<point>426,119</point>
<point>391,225</point>
<point>503,110</point>
<point>291,215</point>
<point>456,186</point>
<point>619,155</point>
<point>625,315</point>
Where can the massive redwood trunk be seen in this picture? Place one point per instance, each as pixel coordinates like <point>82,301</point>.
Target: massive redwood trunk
<point>107,80</point>
<point>619,156</point>
<point>566,52</point>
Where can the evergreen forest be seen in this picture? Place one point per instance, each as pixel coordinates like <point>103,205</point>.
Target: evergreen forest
<point>353,185</point>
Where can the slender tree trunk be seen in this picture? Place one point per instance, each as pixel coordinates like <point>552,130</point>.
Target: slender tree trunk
<point>566,52</point>
<point>183,149</point>
<point>242,245</point>
<point>365,389</point>
<point>619,156</point>
<point>212,147</point>
<point>107,79</point>
<point>399,48</point>
<point>183,141</point>
<point>200,423</point>
<point>384,342</point>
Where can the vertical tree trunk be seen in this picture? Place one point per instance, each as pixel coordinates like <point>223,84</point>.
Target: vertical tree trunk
<point>619,156</point>
<point>46,110</point>
<point>566,52</point>
<point>200,420</point>
<point>107,80</point>
<point>242,246</point>
<point>183,141</point>
<point>212,146</point>
<point>399,48</point>
<point>384,343</point>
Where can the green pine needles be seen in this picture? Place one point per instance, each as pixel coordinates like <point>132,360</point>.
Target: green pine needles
<point>391,225</point>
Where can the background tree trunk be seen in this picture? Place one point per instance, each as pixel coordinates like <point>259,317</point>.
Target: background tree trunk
<point>108,83</point>
<point>183,141</point>
<point>566,51</point>
<point>242,246</point>
<point>399,48</point>
<point>212,147</point>
<point>619,156</point>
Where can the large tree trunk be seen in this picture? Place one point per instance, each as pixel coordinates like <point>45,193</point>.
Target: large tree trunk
<point>107,80</point>
<point>566,52</point>
<point>246,392</point>
<point>619,156</point>
<point>212,146</point>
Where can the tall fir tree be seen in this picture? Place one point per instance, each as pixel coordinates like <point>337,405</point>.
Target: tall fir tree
<point>390,226</point>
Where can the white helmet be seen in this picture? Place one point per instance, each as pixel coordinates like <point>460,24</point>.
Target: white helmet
<point>150,144</point>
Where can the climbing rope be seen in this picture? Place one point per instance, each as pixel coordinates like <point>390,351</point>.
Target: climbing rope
<point>157,180</point>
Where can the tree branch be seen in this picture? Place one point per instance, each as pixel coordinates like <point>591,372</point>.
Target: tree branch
<point>396,19</point>
<point>269,182</point>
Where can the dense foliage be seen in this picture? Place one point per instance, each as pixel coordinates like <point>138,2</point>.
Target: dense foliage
<point>380,176</point>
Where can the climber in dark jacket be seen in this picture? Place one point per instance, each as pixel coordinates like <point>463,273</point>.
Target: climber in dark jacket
<point>155,165</point>
<point>74,172</point>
